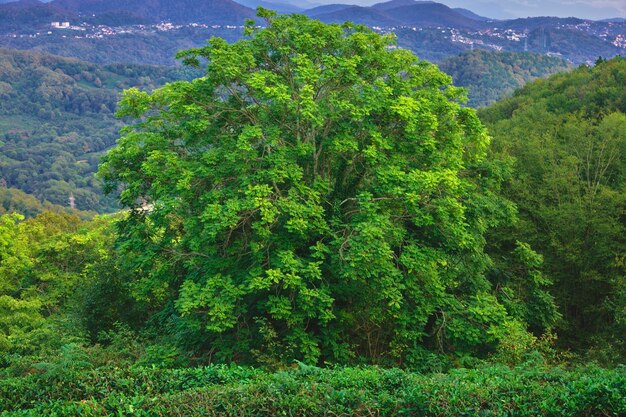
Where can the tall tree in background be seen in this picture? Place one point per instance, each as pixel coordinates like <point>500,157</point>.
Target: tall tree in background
<point>315,196</point>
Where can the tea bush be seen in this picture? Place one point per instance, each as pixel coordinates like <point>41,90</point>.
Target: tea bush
<point>495,390</point>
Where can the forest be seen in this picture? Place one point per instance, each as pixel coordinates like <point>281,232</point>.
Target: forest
<point>58,119</point>
<point>490,76</point>
<point>320,225</point>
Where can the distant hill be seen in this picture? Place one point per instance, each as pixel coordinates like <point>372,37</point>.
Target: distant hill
<point>205,11</point>
<point>327,8</point>
<point>357,14</point>
<point>56,119</point>
<point>396,13</point>
<point>388,5</point>
<point>31,13</point>
<point>426,14</point>
<point>471,14</point>
<point>490,76</point>
<point>278,6</point>
<point>615,20</point>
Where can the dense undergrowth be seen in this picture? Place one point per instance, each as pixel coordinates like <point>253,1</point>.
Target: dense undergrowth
<point>531,389</point>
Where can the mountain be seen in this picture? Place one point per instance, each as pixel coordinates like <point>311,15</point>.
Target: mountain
<point>181,11</point>
<point>363,15</point>
<point>396,13</point>
<point>539,22</point>
<point>568,42</point>
<point>388,5</point>
<point>31,13</point>
<point>327,8</point>
<point>615,20</point>
<point>470,14</point>
<point>491,76</point>
<point>56,119</point>
<point>427,14</point>
<point>277,6</point>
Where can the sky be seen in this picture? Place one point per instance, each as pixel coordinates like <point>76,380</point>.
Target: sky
<point>507,9</point>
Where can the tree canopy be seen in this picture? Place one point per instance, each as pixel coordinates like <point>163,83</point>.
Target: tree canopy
<point>317,195</point>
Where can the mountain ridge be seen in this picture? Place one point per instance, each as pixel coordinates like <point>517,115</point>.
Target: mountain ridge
<point>182,11</point>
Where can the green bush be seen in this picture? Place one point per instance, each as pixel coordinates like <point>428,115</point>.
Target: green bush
<point>528,390</point>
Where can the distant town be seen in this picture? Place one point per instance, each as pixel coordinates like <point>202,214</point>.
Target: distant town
<point>494,38</point>
<point>87,31</point>
<point>432,31</point>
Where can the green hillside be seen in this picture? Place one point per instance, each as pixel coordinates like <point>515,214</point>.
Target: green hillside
<point>490,76</point>
<point>17,201</point>
<point>567,136</point>
<point>56,119</point>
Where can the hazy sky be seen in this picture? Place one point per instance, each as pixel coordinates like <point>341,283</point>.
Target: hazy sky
<point>589,9</point>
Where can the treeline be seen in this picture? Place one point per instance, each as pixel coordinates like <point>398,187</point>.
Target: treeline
<point>491,76</point>
<point>58,118</point>
<point>13,200</point>
<point>566,137</point>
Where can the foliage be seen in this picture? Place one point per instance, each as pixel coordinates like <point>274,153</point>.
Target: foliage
<point>568,137</point>
<point>528,390</point>
<point>46,266</point>
<point>316,194</point>
<point>490,76</point>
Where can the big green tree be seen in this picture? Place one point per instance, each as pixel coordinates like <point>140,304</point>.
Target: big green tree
<point>315,196</point>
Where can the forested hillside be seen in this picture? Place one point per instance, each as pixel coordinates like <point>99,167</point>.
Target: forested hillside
<point>13,200</point>
<point>490,76</point>
<point>567,136</point>
<point>155,48</point>
<point>58,118</point>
